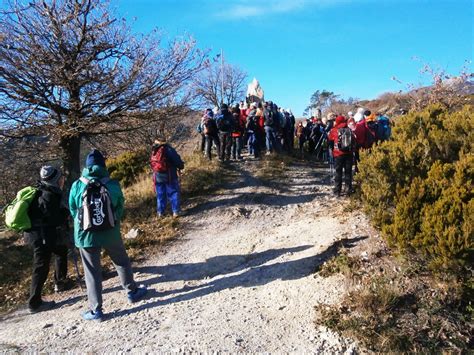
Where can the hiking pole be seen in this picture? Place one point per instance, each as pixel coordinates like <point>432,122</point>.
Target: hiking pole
<point>74,261</point>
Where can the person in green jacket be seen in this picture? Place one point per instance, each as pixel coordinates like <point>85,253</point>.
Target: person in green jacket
<point>90,243</point>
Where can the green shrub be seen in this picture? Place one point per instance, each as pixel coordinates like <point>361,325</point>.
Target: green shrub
<point>418,187</point>
<point>128,166</point>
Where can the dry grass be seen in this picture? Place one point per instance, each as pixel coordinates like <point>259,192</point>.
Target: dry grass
<point>392,307</point>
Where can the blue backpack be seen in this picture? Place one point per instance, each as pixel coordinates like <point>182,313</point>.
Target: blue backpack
<point>384,131</point>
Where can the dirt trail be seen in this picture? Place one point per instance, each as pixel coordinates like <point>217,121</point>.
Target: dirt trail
<point>240,279</point>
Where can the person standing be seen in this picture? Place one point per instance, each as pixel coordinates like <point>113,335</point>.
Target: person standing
<point>343,150</point>
<point>225,125</point>
<point>94,234</point>
<point>165,163</point>
<point>47,236</point>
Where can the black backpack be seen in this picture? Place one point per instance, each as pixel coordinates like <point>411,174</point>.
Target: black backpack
<point>344,139</point>
<point>96,212</point>
<point>224,122</point>
<point>268,115</point>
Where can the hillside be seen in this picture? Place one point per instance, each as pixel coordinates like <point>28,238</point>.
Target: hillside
<point>240,278</point>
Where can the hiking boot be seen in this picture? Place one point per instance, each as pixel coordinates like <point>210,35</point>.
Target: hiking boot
<point>336,192</point>
<point>44,306</point>
<point>136,295</point>
<point>177,214</point>
<point>159,214</point>
<point>98,316</point>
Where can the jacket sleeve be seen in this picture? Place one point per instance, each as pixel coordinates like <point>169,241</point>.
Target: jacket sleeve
<point>73,207</point>
<point>332,135</point>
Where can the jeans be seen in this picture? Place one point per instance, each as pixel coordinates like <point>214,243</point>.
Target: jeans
<point>343,162</point>
<point>167,191</point>
<point>269,138</point>
<point>253,144</point>
<point>209,140</point>
<point>236,147</point>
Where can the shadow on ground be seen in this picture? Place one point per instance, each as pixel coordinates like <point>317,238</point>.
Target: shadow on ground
<point>256,275</point>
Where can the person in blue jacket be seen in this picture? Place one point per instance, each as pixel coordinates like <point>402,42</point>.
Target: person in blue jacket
<point>167,185</point>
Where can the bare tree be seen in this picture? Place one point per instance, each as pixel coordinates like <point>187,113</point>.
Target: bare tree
<point>71,70</point>
<point>220,83</point>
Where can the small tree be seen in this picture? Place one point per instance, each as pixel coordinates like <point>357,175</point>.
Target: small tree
<point>220,83</point>
<point>320,100</point>
<point>70,70</point>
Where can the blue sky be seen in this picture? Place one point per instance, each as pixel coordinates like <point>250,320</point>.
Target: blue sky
<point>295,47</point>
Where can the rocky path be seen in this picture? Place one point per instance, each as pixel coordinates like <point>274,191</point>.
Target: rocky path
<point>241,279</point>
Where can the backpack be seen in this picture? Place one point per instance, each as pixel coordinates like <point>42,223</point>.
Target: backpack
<point>96,212</point>
<point>371,136</point>
<point>299,131</point>
<point>224,122</point>
<point>158,160</point>
<point>384,130</point>
<point>16,213</point>
<point>268,114</point>
<point>208,126</point>
<point>344,139</point>
<point>251,124</point>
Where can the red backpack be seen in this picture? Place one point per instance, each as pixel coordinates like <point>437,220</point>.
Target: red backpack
<point>158,160</point>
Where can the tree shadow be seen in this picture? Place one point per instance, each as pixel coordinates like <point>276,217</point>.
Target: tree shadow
<point>257,275</point>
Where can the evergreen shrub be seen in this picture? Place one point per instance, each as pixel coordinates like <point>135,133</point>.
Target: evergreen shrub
<point>128,166</point>
<point>418,187</point>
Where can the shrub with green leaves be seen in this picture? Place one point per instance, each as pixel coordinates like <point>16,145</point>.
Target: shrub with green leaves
<point>418,187</point>
<point>128,166</point>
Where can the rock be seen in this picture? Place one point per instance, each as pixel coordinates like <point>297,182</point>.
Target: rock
<point>132,233</point>
<point>47,325</point>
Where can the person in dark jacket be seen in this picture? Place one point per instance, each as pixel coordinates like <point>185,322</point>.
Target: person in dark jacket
<point>342,158</point>
<point>225,125</point>
<point>91,243</point>
<point>167,183</point>
<point>47,236</point>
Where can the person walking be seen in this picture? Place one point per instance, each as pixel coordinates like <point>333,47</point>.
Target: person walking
<point>100,229</point>
<point>47,236</point>
<point>165,163</point>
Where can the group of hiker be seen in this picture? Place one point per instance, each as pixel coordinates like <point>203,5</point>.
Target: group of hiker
<point>267,127</point>
<point>96,204</point>
<point>258,126</point>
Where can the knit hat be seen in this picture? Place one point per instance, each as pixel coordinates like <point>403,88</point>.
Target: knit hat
<point>340,119</point>
<point>95,157</point>
<point>50,175</point>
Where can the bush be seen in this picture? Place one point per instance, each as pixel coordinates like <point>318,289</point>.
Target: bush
<point>128,166</point>
<point>419,189</point>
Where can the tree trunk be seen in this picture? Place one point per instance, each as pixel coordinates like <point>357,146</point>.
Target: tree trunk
<point>71,148</point>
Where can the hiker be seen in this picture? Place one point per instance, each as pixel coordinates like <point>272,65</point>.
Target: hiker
<point>260,134</point>
<point>269,125</point>
<point>251,129</point>
<point>384,129</point>
<point>209,128</point>
<point>47,236</point>
<point>365,131</point>
<point>343,139</point>
<point>225,125</point>
<point>237,133</point>
<point>165,163</point>
<point>202,140</point>
<point>91,234</point>
<point>301,136</point>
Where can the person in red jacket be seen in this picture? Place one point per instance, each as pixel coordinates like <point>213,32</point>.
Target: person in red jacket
<point>344,140</point>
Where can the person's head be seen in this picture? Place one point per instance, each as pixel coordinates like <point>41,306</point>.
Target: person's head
<point>253,105</point>
<point>160,139</point>
<point>367,113</point>
<point>350,114</point>
<point>95,157</point>
<point>224,107</point>
<point>51,176</point>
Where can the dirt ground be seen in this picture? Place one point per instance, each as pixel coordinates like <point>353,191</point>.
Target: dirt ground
<point>240,279</point>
